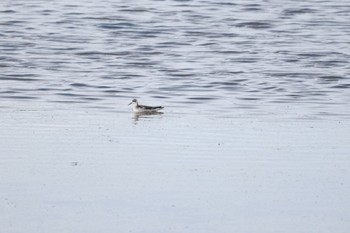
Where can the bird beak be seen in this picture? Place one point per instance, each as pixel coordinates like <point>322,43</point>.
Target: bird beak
<point>130,103</point>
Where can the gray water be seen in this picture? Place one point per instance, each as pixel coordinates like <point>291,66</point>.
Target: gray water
<point>254,136</point>
<point>213,56</point>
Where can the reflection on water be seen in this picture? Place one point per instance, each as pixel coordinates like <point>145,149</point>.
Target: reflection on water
<point>210,56</point>
<point>145,115</point>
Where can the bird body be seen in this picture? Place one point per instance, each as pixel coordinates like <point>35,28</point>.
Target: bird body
<point>137,108</point>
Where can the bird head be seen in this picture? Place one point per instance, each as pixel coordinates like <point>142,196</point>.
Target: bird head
<point>134,101</point>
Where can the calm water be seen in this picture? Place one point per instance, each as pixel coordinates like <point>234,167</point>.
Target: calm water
<point>213,56</point>
<point>254,137</point>
<point>71,171</point>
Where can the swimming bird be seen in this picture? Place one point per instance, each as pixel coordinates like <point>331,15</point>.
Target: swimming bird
<point>137,108</point>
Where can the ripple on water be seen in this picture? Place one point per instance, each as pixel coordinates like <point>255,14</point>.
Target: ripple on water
<point>342,86</point>
<point>260,53</point>
<point>20,78</point>
<point>123,25</point>
<point>19,97</point>
<point>256,24</point>
<point>331,78</point>
<point>202,98</point>
<point>297,11</point>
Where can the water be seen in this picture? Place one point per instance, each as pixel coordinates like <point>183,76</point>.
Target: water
<point>76,172</point>
<point>242,57</point>
<point>254,135</point>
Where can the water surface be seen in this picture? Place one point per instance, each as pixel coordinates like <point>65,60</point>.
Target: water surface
<point>254,135</point>
<point>90,172</point>
<point>246,57</point>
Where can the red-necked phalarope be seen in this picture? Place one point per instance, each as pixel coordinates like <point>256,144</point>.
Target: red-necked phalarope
<point>142,108</point>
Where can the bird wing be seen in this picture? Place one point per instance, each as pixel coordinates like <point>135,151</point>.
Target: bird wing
<point>150,107</point>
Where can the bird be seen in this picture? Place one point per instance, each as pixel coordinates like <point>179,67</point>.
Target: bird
<point>137,108</point>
